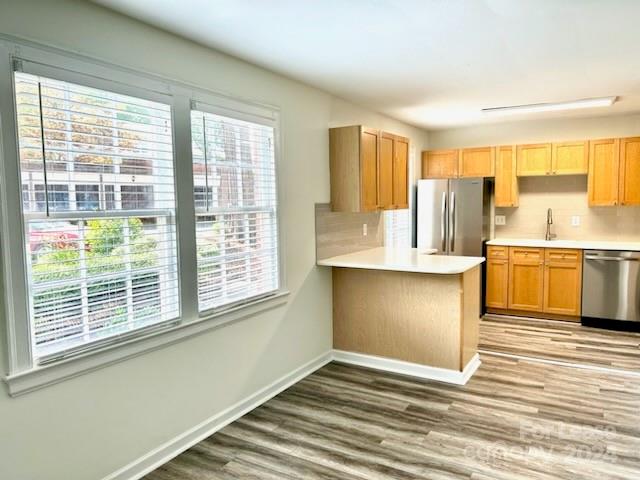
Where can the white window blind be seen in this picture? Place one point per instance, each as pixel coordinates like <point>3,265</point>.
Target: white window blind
<point>236,209</point>
<point>397,228</point>
<point>98,206</point>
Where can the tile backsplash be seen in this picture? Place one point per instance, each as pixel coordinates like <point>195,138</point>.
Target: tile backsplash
<point>567,196</point>
<point>341,233</point>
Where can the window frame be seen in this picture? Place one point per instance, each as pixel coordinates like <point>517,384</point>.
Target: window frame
<point>24,374</point>
<point>265,118</point>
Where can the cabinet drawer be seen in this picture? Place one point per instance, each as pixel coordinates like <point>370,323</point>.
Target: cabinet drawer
<point>494,251</point>
<point>563,255</point>
<point>526,254</point>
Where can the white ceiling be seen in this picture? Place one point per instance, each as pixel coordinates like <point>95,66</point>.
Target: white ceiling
<point>431,63</point>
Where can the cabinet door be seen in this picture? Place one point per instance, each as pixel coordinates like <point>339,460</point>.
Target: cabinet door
<point>497,277</point>
<point>440,164</point>
<point>630,171</point>
<point>526,276</point>
<point>570,158</point>
<point>534,160</point>
<point>506,185</point>
<point>604,167</point>
<point>477,162</point>
<point>369,170</point>
<point>401,173</point>
<point>563,281</point>
<point>385,172</point>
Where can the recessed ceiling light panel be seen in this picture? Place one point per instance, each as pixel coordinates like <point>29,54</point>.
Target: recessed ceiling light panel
<point>551,107</point>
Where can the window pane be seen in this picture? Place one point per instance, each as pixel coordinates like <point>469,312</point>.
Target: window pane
<point>236,217</point>
<point>58,196</point>
<point>93,277</point>
<point>136,197</point>
<point>87,197</point>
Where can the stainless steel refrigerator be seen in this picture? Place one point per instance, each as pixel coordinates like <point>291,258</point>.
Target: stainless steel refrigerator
<point>453,215</point>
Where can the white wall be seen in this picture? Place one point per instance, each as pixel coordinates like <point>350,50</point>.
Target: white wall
<point>87,427</point>
<point>533,131</point>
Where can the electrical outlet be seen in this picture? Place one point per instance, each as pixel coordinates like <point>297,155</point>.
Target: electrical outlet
<point>364,230</point>
<point>575,221</point>
<point>501,220</point>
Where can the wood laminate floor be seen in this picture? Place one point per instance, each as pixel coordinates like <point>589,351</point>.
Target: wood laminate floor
<point>560,341</point>
<point>514,420</point>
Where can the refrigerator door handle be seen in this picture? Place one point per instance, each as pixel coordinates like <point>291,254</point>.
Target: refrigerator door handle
<point>443,223</point>
<point>452,223</point>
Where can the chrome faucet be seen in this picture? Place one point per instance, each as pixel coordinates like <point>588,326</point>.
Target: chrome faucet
<point>549,235</point>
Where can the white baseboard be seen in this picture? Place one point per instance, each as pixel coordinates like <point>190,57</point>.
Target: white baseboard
<point>159,456</point>
<point>174,447</point>
<point>408,368</point>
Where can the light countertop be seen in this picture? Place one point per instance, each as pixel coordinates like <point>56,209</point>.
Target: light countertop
<point>577,244</point>
<point>403,260</point>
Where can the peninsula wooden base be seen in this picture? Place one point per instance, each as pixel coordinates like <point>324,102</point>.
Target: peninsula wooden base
<point>421,318</point>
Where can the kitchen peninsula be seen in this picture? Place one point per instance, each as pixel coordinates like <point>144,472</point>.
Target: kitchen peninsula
<point>404,310</point>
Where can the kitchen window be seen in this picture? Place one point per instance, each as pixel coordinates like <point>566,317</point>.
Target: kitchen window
<point>236,220</point>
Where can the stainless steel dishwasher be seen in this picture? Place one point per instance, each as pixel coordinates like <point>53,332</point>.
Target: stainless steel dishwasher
<point>611,286</point>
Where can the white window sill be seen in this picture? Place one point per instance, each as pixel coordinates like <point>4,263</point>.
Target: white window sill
<point>42,376</point>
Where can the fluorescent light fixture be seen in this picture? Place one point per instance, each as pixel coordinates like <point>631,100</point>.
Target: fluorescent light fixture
<point>551,107</point>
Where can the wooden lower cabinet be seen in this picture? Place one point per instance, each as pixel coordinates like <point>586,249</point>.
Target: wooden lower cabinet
<point>497,277</point>
<point>497,283</point>
<point>563,282</point>
<point>526,277</point>
<point>544,281</point>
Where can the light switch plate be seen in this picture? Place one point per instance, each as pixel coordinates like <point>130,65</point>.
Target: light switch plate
<point>575,221</point>
<point>501,220</point>
<point>365,231</point>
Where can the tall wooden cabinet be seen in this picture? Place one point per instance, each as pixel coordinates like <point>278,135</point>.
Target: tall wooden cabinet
<point>368,169</point>
<point>629,187</point>
<point>614,172</point>
<point>506,185</point>
<point>401,173</point>
<point>385,175</point>
<point>604,172</point>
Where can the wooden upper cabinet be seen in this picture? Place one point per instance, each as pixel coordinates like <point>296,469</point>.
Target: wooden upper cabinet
<point>629,185</point>
<point>477,162</point>
<point>604,167</point>
<point>570,158</point>
<point>353,165</point>
<point>526,278</point>
<point>440,164</point>
<point>563,282</point>
<point>369,170</point>
<point>401,173</point>
<point>385,177</point>
<point>506,184</point>
<point>534,159</point>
